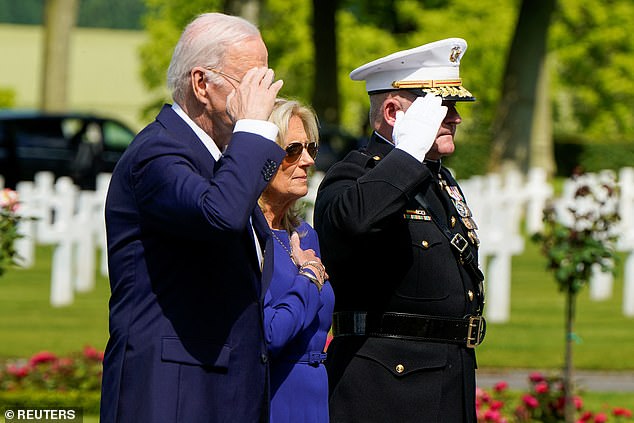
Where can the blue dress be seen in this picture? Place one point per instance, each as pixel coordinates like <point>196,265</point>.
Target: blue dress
<point>297,319</point>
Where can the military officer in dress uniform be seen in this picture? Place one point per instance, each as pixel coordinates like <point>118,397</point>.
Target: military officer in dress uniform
<point>400,245</point>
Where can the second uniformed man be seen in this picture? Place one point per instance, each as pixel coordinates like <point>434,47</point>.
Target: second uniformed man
<point>400,245</point>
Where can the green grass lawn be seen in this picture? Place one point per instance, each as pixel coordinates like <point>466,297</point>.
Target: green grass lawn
<point>29,324</point>
<point>534,337</point>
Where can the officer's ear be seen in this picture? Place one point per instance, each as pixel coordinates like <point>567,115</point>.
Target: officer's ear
<point>391,105</point>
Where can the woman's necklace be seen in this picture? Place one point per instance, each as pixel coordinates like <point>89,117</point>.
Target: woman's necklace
<point>290,253</point>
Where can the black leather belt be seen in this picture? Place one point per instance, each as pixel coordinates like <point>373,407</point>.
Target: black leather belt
<point>468,331</point>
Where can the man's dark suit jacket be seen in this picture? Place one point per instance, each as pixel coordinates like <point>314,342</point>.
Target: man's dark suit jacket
<point>186,335</point>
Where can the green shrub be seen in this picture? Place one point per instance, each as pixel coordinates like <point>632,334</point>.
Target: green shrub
<point>88,402</point>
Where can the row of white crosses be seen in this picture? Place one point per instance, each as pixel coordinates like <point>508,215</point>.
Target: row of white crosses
<point>72,221</point>
<point>57,213</point>
<point>499,205</point>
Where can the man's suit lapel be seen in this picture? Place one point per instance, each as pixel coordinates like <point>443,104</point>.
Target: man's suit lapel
<point>179,129</point>
<point>266,241</point>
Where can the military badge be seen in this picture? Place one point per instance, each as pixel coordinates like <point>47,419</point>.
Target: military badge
<point>454,193</point>
<point>473,237</point>
<point>417,214</point>
<point>469,223</point>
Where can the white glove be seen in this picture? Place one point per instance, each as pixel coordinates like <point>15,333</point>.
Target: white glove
<point>415,130</point>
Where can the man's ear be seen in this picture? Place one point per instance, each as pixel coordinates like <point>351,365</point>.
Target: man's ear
<point>390,107</point>
<point>199,83</point>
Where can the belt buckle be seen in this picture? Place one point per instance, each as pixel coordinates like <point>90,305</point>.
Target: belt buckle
<point>316,358</point>
<point>459,242</point>
<point>476,331</point>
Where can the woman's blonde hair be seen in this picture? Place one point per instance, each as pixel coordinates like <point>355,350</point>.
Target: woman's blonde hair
<point>281,115</point>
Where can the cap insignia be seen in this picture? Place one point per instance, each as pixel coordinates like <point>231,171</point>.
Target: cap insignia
<point>456,51</point>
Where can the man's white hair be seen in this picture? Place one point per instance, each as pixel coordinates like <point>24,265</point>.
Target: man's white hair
<point>204,42</point>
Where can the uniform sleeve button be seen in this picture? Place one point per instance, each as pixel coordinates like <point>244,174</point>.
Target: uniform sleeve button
<point>399,368</point>
<point>470,294</point>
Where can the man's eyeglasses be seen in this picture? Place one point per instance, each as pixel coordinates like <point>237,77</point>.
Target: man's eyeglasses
<point>295,149</point>
<point>226,75</point>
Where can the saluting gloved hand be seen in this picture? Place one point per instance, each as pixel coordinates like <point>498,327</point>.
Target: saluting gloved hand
<point>415,130</point>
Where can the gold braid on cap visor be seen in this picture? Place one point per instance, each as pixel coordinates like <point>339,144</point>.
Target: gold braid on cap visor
<point>441,87</point>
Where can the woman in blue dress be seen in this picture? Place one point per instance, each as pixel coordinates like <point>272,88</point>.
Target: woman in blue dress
<point>299,303</point>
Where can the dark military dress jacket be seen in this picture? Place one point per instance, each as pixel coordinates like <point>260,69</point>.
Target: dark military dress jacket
<point>386,225</point>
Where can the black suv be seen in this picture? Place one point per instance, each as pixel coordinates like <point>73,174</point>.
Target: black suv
<point>77,145</point>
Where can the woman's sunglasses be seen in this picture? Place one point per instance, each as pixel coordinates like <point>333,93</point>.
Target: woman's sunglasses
<point>295,149</point>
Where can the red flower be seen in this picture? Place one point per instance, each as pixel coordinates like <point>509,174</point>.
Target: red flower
<point>42,357</point>
<point>500,386</point>
<point>18,371</point>
<point>492,416</point>
<point>530,401</point>
<point>622,412</point>
<point>578,403</point>
<point>91,353</point>
<point>561,403</point>
<point>536,377</point>
<point>585,417</point>
<point>496,405</point>
<point>542,387</point>
<point>483,396</point>
<point>600,418</point>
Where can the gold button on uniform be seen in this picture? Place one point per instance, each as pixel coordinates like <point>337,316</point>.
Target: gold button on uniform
<point>400,368</point>
<point>470,294</point>
<point>453,221</point>
<point>425,244</point>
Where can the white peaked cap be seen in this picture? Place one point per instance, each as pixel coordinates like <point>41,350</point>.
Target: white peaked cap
<point>430,68</point>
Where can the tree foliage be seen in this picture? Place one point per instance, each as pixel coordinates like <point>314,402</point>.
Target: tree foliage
<point>594,51</point>
<point>117,14</point>
<point>592,90</point>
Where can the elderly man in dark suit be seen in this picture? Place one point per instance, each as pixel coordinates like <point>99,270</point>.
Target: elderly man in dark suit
<point>186,239</point>
<point>400,245</point>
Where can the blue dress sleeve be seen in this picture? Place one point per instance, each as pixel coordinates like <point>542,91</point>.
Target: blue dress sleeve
<point>289,315</point>
<point>292,310</point>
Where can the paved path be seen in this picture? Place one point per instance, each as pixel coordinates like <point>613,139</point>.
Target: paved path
<point>596,381</point>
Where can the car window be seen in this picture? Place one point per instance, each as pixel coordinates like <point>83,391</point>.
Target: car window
<point>45,133</point>
<point>116,137</point>
<point>71,127</point>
